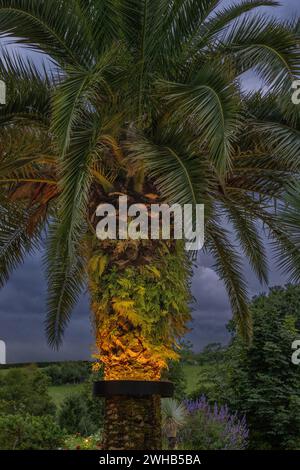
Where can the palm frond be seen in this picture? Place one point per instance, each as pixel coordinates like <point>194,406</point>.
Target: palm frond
<point>223,17</point>
<point>24,151</point>
<point>16,240</point>
<point>177,175</point>
<point>291,212</point>
<point>209,105</point>
<point>215,23</point>
<point>51,27</point>
<point>79,91</point>
<point>266,46</point>
<point>28,90</point>
<point>102,21</point>
<point>248,233</point>
<point>65,279</point>
<point>228,265</point>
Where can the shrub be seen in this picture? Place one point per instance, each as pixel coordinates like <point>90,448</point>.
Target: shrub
<point>25,432</point>
<point>213,353</point>
<point>264,384</point>
<point>68,372</point>
<point>25,391</point>
<point>81,413</point>
<point>176,375</point>
<point>212,378</point>
<point>212,428</point>
<point>54,374</point>
<point>173,418</point>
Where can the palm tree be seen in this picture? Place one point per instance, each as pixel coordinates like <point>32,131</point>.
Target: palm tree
<point>143,98</point>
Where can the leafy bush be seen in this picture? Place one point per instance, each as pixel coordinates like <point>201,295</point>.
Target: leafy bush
<point>212,428</point>
<point>176,375</point>
<point>25,432</point>
<point>264,384</point>
<point>212,378</point>
<point>68,372</point>
<point>213,353</point>
<point>82,413</point>
<point>25,391</point>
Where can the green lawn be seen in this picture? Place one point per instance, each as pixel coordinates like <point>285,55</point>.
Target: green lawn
<point>59,392</point>
<point>192,377</point>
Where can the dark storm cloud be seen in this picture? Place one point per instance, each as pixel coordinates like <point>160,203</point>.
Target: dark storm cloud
<point>289,9</point>
<point>22,301</point>
<point>22,314</point>
<point>211,310</point>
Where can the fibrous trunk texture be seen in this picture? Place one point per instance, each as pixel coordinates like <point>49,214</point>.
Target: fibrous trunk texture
<point>133,423</point>
<point>139,297</point>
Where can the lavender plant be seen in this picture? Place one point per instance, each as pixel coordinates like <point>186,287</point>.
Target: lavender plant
<point>212,428</point>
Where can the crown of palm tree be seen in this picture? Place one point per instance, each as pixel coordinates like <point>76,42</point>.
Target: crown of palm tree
<point>145,96</point>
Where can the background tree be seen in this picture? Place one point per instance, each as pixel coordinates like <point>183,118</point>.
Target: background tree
<point>81,412</point>
<point>28,432</point>
<point>68,372</point>
<point>25,391</point>
<point>211,382</point>
<point>143,99</point>
<point>27,413</point>
<point>264,383</point>
<point>176,375</point>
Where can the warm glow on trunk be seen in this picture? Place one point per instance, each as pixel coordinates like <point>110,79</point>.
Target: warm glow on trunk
<point>127,355</point>
<point>138,312</point>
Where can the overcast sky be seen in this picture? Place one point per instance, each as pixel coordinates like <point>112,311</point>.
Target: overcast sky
<point>22,301</point>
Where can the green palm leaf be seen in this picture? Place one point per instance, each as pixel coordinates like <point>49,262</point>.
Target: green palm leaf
<point>66,280</point>
<point>51,27</point>
<point>16,242</point>
<point>267,47</point>
<point>228,265</point>
<point>209,105</point>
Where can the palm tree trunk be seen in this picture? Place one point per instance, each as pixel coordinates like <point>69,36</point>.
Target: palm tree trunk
<point>140,296</point>
<point>133,423</point>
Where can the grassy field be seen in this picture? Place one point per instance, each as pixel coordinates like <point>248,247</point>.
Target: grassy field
<point>192,377</point>
<point>60,392</point>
